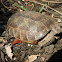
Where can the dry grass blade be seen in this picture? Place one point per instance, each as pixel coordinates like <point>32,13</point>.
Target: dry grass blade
<point>55,10</point>
<point>16,6</point>
<point>52,1</point>
<point>4,5</point>
<point>19,6</point>
<point>48,7</point>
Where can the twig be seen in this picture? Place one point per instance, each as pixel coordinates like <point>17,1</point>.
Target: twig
<point>4,5</point>
<point>48,7</point>
<point>19,6</point>
<point>52,1</point>
<point>16,4</point>
<point>55,10</point>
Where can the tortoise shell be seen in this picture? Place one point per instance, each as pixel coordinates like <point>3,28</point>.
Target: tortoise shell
<point>29,26</point>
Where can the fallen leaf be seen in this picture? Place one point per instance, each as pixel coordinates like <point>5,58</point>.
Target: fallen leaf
<point>9,51</point>
<point>43,58</point>
<point>32,58</point>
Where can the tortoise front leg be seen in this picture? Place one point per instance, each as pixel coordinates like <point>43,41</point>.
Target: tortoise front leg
<point>47,40</point>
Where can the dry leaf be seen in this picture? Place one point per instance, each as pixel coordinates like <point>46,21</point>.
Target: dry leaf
<point>32,58</point>
<point>9,51</point>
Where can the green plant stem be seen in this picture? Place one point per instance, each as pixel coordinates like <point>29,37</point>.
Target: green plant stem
<point>21,7</point>
<point>42,8</point>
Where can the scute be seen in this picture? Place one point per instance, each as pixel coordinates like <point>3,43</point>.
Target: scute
<point>31,25</point>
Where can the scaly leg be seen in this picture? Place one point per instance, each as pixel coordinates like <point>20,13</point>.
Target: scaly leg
<point>47,40</point>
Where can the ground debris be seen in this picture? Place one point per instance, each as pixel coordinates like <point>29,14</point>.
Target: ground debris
<point>31,58</point>
<point>23,53</point>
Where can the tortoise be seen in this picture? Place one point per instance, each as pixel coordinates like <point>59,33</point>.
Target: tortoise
<point>30,26</point>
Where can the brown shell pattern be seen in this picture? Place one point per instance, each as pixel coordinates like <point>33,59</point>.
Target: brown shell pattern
<point>29,25</point>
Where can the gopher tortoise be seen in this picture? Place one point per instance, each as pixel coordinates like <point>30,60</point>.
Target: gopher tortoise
<point>32,27</point>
